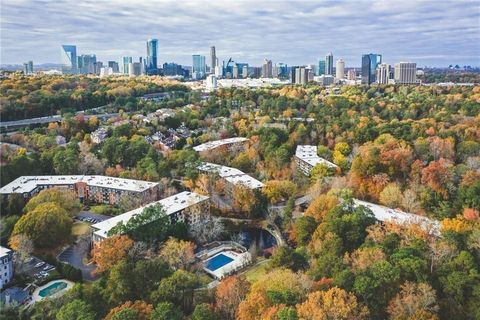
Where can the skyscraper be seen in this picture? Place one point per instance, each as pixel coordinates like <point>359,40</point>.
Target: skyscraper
<point>199,65</point>
<point>321,67</point>
<point>267,69</point>
<point>69,58</point>
<point>86,63</point>
<point>114,66</point>
<point>369,66</point>
<point>28,68</point>
<point>405,72</point>
<point>340,69</point>
<point>124,62</point>
<point>213,59</point>
<point>152,55</point>
<point>383,73</point>
<point>329,64</point>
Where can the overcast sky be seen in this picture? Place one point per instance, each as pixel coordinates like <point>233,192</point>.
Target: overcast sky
<point>432,33</point>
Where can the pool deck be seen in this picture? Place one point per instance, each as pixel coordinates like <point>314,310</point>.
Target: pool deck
<point>239,261</point>
<point>36,296</point>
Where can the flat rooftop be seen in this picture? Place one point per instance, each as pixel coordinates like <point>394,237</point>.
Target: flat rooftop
<point>309,154</point>
<point>29,183</point>
<point>171,205</point>
<point>4,251</point>
<point>383,213</point>
<point>232,175</point>
<point>217,143</point>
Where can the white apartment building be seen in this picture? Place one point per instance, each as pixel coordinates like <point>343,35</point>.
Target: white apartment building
<point>231,175</point>
<point>6,266</point>
<point>383,73</point>
<point>208,146</point>
<point>100,189</point>
<point>405,72</point>
<point>306,158</point>
<point>183,207</point>
<point>340,69</point>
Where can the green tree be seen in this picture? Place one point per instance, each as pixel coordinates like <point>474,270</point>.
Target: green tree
<point>166,311</point>
<point>303,229</point>
<point>76,310</point>
<point>47,225</point>
<point>203,311</point>
<point>287,257</point>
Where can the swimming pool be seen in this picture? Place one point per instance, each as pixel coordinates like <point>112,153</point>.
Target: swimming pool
<point>218,261</point>
<point>52,289</point>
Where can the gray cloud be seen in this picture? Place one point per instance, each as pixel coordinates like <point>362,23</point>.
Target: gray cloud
<point>294,32</point>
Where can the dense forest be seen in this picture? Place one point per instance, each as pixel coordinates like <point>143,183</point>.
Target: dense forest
<point>415,148</point>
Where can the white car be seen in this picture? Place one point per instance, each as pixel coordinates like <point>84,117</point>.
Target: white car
<point>38,265</point>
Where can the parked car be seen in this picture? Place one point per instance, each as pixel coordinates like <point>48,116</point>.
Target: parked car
<point>47,267</point>
<point>38,265</point>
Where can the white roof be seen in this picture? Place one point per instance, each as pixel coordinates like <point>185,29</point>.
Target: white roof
<point>217,143</point>
<point>171,205</point>
<point>383,213</point>
<point>29,183</point>
<point>309,154</point>
<point>4,251</point>
<point>232,175</point>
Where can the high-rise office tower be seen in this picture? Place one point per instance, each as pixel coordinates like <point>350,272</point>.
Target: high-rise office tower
<point>124,62</point>
<point>321,67</point>
<point>267,69</point>
<point>329,64</point>
<point>69,58</point>
<point>302,75</point>
<point>245,71</point>
<point>383,73</point>
<point>340,69</point>
<point>235,71</point>
<point>28,68</point>
<point>98,67</point>
<point>282,71</point>
<point>369,66</point>
<point>405,72</point>
<point>114,66</point>
<point>86,63</point>
<point>199,67</point>
<point>152,56</point>
<point>213,59</point>
<point>135,69</point>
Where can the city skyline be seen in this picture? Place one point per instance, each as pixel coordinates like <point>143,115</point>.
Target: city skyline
<point>293,33</point>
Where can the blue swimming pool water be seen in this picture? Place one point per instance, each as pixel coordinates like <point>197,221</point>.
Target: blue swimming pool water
<point>218,262</point>
<point>52,289</point>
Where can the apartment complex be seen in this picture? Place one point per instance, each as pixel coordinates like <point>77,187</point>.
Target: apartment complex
<point>306,158</point>
<point>208,146</point>
<point>6,266</point>
<point>100,189</point>
<point>232,176</point>
<point>182,207</point>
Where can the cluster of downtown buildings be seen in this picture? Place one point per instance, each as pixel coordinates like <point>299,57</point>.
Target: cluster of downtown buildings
<point>326,71</point>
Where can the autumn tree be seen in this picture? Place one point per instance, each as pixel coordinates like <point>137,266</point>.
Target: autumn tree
<point>141,309</point>
<point>64,199</point>
<point>334,303</point>
<point>391,195</point>
<point>22,245</point>
<point>320,206</point>
<point>178,254</point>
<point>48,225</point>
<point>279,190</point>
<point>277,287</point>
<point>414,301</point>
<point>228,295</point>
<point>438,175</point>
<point>111,250</point>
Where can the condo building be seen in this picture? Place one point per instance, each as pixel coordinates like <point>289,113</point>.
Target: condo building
<point>306,158</point>
<point>99,189</point>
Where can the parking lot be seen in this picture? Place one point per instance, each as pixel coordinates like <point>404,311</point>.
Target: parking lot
<point>74,255</point>
<point>36,268</point>
<point>90,217</point>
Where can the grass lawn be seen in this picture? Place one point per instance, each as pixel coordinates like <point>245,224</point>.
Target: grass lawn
<point>80,228</point>
<point>257,271</point>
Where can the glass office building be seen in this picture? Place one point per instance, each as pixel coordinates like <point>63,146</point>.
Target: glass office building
<point>369,66</point>
<point>199,65</point>
<point>152,56</point>
<point>69,58</point>
<point>321,67</point>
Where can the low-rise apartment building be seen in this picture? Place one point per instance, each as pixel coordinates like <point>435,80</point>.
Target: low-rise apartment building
<point>209,146</point>
<point>232,176</point>
<point>306,158</point>
<point>99,189</point>
<point>185,207</point>
<point>6,266</point>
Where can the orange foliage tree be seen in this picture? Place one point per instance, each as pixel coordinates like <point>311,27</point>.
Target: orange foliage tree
<point>142,308</point>
<point>230,292</point>
<point>110,251</point>
<point>334,303</point>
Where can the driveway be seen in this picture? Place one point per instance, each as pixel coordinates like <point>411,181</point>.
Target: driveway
<point>74,254</point>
